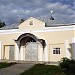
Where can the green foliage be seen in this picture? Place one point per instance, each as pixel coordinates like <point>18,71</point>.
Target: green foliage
<point>22,20</point>
<point>4,64</point>
<point>2,24</point>
<point>68,66</point>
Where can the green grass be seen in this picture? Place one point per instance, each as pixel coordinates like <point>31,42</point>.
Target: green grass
<point>41,69</point>
<point>4,64</point>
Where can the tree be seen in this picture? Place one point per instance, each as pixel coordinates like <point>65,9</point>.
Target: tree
<point>2,24</point>
<point>22,20</point>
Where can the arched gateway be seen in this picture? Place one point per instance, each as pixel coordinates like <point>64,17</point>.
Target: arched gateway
<point>29,44</point>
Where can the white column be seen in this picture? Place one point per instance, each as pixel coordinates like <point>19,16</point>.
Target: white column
<point>46,52</point>
<point>67,50</point>
<point>21,52</point>
<point>16,52</point>
<point>73,48</point>
<point>0,50</point>
<point>41,54</point>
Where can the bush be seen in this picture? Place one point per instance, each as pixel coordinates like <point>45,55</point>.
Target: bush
<point>5,64</point>
<point>68,66</point>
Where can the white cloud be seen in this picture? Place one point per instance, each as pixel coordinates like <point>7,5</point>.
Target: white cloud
<point>10,10</point>
<point>38,10</point>
<point>14,11</point>
<point>27,11</point>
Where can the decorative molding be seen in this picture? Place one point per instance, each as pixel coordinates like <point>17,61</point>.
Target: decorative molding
<point>13,31</point>
<point>54,29</point>
<point>46,29</point>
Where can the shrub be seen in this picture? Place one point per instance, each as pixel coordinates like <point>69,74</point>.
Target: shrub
<point>68,66</point>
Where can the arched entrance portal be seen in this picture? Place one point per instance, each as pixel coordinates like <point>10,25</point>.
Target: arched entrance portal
<point>28,46</point>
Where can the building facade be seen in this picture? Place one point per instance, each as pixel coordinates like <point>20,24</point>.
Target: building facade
<point>31,40</point>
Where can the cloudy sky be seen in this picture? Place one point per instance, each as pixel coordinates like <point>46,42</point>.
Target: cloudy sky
<point>11,11</point>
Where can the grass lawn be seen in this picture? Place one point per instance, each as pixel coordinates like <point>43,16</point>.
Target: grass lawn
<point>41,69</point>
<point>4,64</point>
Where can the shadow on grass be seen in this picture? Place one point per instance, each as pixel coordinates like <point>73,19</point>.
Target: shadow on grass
<point>41,69</point>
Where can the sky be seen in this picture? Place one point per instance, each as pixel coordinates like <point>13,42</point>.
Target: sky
<point>12,11</point>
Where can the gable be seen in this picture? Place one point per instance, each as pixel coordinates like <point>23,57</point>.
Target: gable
<point>31,23</point>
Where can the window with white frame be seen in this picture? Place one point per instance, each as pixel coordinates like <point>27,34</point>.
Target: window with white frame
<point>56,50</point>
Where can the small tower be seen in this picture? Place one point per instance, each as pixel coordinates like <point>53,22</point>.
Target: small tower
<point>51,18</point>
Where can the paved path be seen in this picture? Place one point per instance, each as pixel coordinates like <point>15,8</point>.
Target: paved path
<point>15,69</point>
